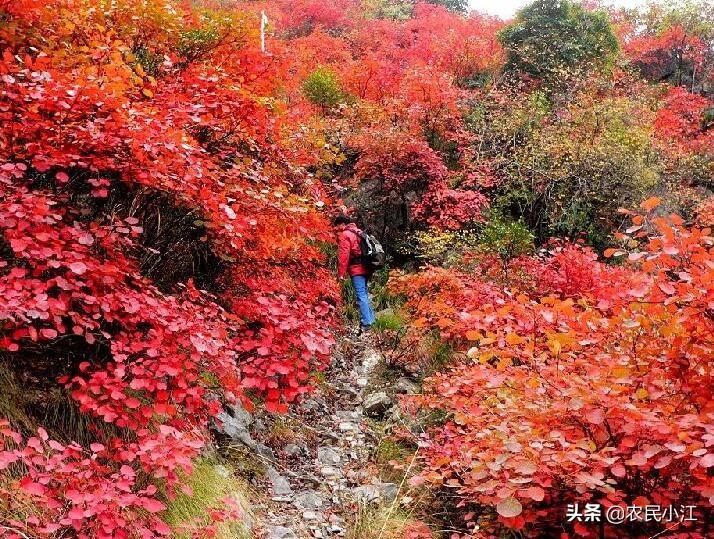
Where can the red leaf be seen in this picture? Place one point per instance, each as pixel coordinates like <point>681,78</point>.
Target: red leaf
<point>596,416</point>
<point>152,505</point>
<point>31,487</point>
<point>78,267</point>
<point>535,493</point>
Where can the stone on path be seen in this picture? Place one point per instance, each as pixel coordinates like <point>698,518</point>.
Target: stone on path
<point>281,486</point>
<point>280,532</point>
<point>307,500</point>
<point>382,492</point>
<point>234,428</point>
<point>405,385</point>
<point>241,414</point>
<point>375,404</point>
<point>328,456</point>
<point>293,450</point>
<point>330,471</point>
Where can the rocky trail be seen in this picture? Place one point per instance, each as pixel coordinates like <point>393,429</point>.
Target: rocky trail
<point>318,470</point>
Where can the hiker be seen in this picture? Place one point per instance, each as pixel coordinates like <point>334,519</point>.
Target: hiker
<point>350,261</point>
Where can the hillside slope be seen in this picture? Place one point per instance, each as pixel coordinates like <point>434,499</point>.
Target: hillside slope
<point>167,180</point>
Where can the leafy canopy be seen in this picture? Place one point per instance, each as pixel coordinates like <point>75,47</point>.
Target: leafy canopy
<point>551,38</point>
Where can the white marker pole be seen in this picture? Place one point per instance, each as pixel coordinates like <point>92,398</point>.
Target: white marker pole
<point>263,26</point>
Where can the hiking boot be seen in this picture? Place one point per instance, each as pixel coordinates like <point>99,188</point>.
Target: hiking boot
<point>364,331</point>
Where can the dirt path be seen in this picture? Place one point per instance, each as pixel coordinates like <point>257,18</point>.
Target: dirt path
<point>316,481</point>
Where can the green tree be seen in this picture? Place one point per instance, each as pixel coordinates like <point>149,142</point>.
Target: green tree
<point>457,6</point>
<point>322,88</point>
<point>572,174</point>
<point>395,10</point>
<point>554,39</point>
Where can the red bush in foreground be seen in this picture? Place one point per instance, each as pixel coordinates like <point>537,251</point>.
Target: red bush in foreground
<point>598,391</point>
<point>159,254</point>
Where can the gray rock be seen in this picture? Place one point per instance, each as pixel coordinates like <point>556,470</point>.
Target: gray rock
<point>334,529</point>
<point>352,392</point>
<point>264,451</point>
<point>281,486</point>
<point>375,404</point>
<point>405,385</point>
<point>370,361</point>
<point>382,492</point>
<point>330,471</point>
<point>388,491</point>
<point>347,415</point>
<point>241,414</point>
<point>293,450</point>
<point>308,500</point>
<point>280,532</point>
<point>310,405</point>
<point>328,456</point>
<point>234,428</point>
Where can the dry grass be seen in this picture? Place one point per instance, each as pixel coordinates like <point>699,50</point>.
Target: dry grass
<point>377,522</point>
<point>383,521</point>
<point>211,483</point>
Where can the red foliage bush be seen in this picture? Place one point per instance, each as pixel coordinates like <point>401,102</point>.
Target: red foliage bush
<point>681,121</point>
<point>594,392</point>
<point>84,136</point>
<point>442,207</point>
<point>305,15</point>
<point>398,161</point>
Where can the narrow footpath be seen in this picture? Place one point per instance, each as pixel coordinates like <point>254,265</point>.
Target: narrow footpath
<point>316,482</point>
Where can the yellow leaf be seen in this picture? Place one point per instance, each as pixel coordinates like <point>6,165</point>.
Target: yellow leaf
<point>147,92</point>
<point>503,363</point>
<point>621,372</point>
<point>513,339</point>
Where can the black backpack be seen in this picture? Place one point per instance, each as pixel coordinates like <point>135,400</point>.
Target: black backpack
<point>372,253</point>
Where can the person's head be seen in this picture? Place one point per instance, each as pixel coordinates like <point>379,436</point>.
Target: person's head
<point>341,222</point>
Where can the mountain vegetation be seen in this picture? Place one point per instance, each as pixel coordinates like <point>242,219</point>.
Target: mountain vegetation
<point>545,187</point>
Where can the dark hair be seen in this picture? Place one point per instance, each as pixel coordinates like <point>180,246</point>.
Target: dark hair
<point>342,220</point>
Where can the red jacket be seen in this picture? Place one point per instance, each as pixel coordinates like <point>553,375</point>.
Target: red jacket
<point>349,252</point>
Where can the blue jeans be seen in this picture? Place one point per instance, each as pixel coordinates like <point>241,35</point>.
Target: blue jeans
<point>365,308</point>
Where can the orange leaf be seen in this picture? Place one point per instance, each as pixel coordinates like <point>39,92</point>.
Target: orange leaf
<point>651,203</point>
